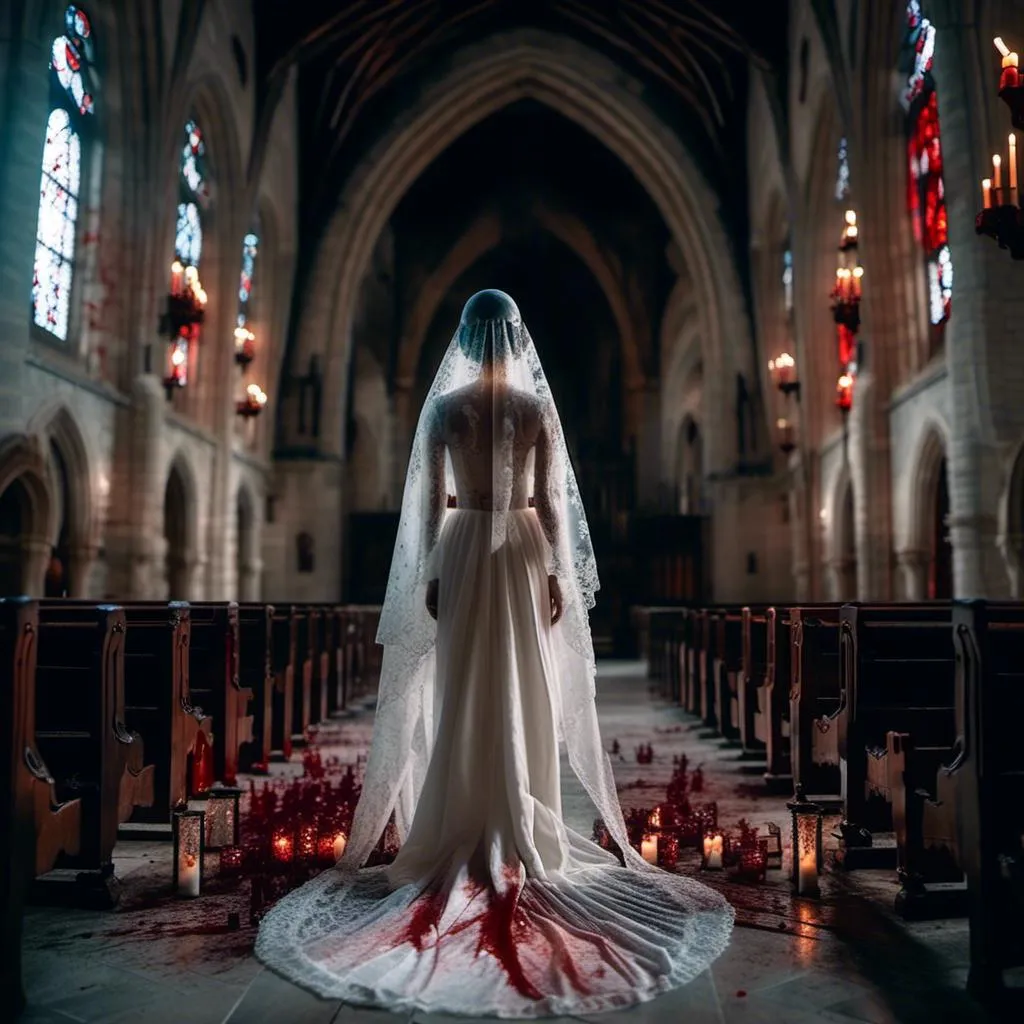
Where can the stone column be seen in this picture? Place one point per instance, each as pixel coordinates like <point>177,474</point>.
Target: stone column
<point>913,573</point>
<point>80,564</point>
<point>1011,547</point>
<point>36,553</point>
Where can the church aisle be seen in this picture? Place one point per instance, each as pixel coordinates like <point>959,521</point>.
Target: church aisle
<point>845,960</point>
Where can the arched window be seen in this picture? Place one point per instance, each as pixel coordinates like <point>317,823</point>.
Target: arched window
<point>787,279</point>
<point>193,192</point>
<point>843,172</point>
<point>60,182</point>
<point>250,250</point>
<point>926,198</point>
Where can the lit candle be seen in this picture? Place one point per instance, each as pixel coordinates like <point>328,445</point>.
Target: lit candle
<point>177,271</point>
<point>188,875</point>
<point>649,849</point>
<point>1009,77</point>
<point>986,192</point>
<point>997,171</point>
<point>339,845</point>
<point>713,850</point>
<point>1013,169</point>
<point>807,874</point>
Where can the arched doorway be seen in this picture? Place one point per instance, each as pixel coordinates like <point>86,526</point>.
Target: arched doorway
<point>940,567</point>
<point>15,520</point>
<point>58,571</point>
<point>245,567</point>
<point>176,535</point>
<point>691,468</point>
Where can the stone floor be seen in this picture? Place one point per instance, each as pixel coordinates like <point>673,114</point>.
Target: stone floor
<point>845,958</point>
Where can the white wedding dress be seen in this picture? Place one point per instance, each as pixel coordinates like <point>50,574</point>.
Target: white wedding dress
<point>492,905</point>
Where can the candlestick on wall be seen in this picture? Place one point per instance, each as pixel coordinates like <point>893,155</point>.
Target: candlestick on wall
<point>1000,217</point>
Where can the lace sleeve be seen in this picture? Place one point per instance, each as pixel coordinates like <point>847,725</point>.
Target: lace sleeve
<point>437,497</point>
<point>545,496</point>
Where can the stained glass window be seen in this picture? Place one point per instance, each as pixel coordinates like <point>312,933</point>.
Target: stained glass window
<point>843,172</point>
<point>787,278</point>
<point>188,233</point>
<point>250,249</point>
<point>926,197</point>
<point>61,175</point>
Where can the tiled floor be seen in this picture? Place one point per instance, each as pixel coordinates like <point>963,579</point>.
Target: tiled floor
<point>844,959</point>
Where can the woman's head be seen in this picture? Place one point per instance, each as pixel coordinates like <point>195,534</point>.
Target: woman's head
<point>490,330</point>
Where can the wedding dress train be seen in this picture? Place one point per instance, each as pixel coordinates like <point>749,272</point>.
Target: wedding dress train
<point>493,906</point>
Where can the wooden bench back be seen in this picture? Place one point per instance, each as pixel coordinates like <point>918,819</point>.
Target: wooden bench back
<point>897,672</point>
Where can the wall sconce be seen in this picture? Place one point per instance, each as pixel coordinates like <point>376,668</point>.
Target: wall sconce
<point>1001,217</point>
<point>180,323</point>
<point>786,435</point>
<point>782,370</point>
<point>808,857</point>
<point>245,346</point>
<point>253,403</point>
<point>844,393</point>
<point>189,834</point>
<point>222,817</point>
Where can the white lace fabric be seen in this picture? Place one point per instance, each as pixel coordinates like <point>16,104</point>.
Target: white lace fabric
<point>493,905</point>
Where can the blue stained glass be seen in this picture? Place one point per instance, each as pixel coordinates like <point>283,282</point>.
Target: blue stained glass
<point>188,235</point>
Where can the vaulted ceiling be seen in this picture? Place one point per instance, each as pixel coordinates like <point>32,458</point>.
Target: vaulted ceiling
<point>358,61</point>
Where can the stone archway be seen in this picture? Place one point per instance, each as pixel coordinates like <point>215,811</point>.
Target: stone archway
<point>26,506</point>
<point>179,532</point>
<point>593,92</point>
<point>926,561</point>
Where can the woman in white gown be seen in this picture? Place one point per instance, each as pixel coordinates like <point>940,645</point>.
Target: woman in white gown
<point>493,906</point>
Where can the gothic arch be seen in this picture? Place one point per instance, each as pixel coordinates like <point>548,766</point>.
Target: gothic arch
<point>181,532</point>
<point>247,560</point>
<point>927,496</point>
<point>581,85</point>
<point>56,424</point>
<point>485,234</point>
<point>841,542</point>
<point>26,512</point>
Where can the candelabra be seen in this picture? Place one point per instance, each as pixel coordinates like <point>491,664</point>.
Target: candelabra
<point>181,321</point>
<point>253,403</point>
<point>1001,217</point>
<point>782,371</point>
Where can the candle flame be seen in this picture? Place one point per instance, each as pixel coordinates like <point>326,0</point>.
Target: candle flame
<point>1001,46</point>
<point>997,160</point>
<point>986,182</point>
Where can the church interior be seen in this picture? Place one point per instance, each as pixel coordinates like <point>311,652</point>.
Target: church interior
<point>766,253</point>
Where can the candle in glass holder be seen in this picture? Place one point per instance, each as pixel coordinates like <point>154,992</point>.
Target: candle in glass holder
<point>649,849</point>
<point>339,845</point>
<point>714,847</point>
<point>283,847</point>
<point>188,875</point>
<point>807,874</point>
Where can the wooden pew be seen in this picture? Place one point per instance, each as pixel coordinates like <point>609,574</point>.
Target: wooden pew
<point>771,722</point>
<point>283,639</point>
<point>302,690</point>
<point>985,782</point>
<point>36,826</point>
<point>158,705</point>
<point>256,676</point>
<point>81,733</point>
<point>753,677</point>
<point>726,667</point>
<point>705,640</point>
<point>213,662</point>
<point>365,653</point>
<point>318,663</point>
<point>333,659</point>
<point>696,641</point>
<point>897,716</point>
<point>814,700</point>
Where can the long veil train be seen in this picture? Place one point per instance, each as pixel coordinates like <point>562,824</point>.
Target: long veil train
<point>493,905</point>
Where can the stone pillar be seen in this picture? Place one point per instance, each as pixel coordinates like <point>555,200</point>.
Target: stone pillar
<point>645,412</point>
<point>36,553</point>
<point>1011,547</point>
<point>136,548</point>
<point>913,574</point>
<point>80,564</point>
